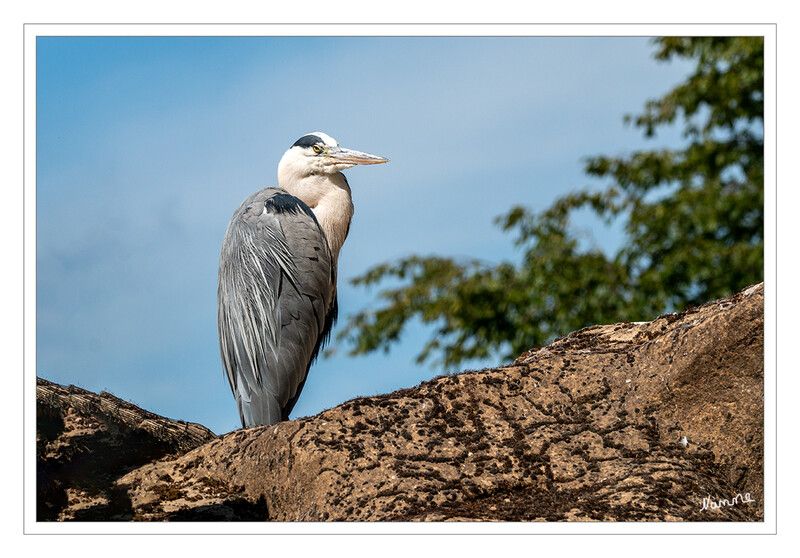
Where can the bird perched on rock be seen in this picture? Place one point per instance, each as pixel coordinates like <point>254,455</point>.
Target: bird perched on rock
<point>276,301</point>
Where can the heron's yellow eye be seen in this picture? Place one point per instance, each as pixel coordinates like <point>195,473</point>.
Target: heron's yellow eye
<point>317,149</point>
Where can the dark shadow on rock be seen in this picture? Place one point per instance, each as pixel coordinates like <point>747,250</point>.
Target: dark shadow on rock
<point>82,449</point>
<point>236,509</point>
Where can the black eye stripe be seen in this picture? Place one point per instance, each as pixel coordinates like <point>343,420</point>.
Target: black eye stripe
<point>309,140</point>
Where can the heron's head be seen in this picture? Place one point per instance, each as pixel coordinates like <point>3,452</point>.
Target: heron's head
<point>318,153</point>
<point>310,170</point>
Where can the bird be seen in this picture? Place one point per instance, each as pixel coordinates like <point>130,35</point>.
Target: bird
<point>276,295</point>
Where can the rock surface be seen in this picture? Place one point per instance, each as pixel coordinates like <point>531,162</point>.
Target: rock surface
<point>623,422</point>
<point>85,442</point>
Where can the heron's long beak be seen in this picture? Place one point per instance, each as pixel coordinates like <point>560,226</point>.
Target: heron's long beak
<point>351,157</point>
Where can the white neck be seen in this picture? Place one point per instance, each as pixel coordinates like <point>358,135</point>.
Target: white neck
<point>328,196</point>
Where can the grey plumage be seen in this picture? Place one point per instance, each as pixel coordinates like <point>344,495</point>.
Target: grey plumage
<point>276,299</point>
<point>277,303</point>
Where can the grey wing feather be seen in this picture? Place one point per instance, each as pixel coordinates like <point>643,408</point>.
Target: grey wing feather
<point>276,302</point>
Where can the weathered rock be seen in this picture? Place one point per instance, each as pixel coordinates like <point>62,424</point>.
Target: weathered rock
<point>588,428</point>
<point>85,442</point>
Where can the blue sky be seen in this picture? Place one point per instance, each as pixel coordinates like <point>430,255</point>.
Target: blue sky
<point>145,146</point>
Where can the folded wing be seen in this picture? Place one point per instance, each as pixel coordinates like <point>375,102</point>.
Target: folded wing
<point>276,302</point>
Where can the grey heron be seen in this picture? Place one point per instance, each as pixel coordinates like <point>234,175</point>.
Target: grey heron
<point>276,298</point>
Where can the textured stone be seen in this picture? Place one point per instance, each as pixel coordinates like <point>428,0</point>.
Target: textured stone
<point>587,428</point>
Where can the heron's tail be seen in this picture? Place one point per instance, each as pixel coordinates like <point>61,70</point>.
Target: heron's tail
<point>258,408</point>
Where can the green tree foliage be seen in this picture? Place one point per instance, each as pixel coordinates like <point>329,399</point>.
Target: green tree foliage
<point>693,220</point>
